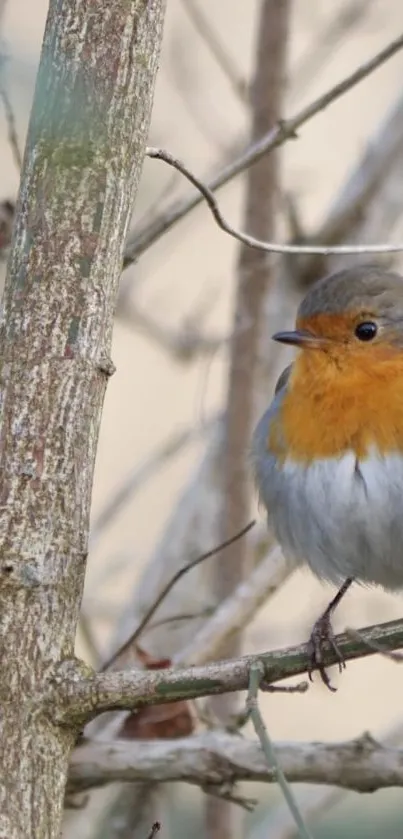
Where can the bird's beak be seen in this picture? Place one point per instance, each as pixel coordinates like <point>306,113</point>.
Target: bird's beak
<point>300,338</point>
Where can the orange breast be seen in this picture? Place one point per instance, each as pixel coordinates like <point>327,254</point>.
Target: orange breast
<point>346,400</point>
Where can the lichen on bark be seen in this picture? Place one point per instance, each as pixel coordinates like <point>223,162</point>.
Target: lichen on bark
<point>82,165</point>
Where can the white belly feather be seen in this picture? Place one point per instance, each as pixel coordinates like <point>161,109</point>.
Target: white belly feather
<point>342,517</point>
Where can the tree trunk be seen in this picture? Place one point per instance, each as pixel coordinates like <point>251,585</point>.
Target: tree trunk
<point>82,165</point>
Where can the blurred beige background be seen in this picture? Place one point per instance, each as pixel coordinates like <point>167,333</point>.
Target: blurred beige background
<point>198,118</point>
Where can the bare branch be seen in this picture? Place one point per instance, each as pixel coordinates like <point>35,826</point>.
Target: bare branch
<point>168,587</point>
<point>317,800</point>
<point>141,240</point>
<point>183,344</point>
<point>236,611</point>
<point>182,69</point>
<point>259,244</point>
<point>7,218</point>
<point>11,124</point>
<point>156,827</point>
<point>81,697</point>
<point>255,678</point>
<point>313,802</point>
<point>341,24</point>
<point>367,186</point>
<point>8,108</point>
<point>192,526</point>
<point>217,757</point>
<point>217,49</point>
<point>396,657</point>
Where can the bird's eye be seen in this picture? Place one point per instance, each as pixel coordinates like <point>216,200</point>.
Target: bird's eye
<point>366,330</point>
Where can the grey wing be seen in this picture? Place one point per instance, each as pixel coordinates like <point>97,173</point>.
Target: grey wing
<point>283,379</point>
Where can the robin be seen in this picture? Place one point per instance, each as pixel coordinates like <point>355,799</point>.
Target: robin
<point>328,452</point>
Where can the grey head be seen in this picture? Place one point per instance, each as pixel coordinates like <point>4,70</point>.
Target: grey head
<point>365,288</point>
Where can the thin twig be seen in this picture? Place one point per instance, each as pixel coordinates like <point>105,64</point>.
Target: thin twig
<point>236,611</point>
<point>184,85</point>
<point>258,244</point>
<point>168,587</point>
<point>327,40</point>
<point>183,616</point>
<point>356,210</point>
<point>394,656</point>
<point>11,123</point>
<point>255,677</point>
<point>217,49</point>
<point>225,792</point>
<point>154,830</point>
<point>144,238</point>
<point>314,802</point>
<point>317,801</point>
<point>183,344</point>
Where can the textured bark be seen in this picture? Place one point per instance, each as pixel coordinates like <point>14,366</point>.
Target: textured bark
<point>219,758</point>
<point>83,696</point>
<point>253,280</point>
<point>82,165</point>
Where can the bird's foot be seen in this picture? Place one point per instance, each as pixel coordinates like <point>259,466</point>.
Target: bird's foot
<point>322,639</point>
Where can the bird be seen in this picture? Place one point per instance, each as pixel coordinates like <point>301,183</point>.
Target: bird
<point>327,454</point>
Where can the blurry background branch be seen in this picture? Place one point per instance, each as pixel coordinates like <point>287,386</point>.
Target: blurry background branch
<point>368,188</point>
<point>217,48</point>
<point>10,118</point>
<point>342,23</point>
<point>219,757</point>
<point>132,641</point>
<point>236,611</point>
